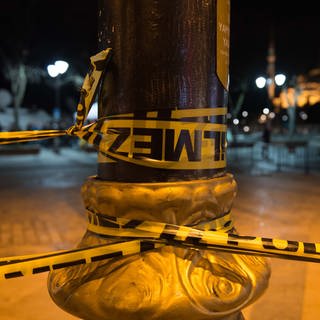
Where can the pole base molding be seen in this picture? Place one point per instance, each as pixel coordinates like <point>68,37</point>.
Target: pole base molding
<point>170,282</point>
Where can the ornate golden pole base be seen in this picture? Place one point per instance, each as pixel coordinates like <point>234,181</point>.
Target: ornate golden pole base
<point>169,283</point>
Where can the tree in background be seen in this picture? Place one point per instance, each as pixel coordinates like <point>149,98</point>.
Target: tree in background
<point>33,33</point>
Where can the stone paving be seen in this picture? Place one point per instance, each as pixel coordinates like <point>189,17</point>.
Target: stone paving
<point>41,210</point>
<point>283,206</point>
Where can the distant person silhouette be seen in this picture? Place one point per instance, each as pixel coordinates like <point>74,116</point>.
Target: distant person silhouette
<point>266,137</point>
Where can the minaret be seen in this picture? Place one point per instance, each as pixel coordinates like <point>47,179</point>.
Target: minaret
<point>271,67</point>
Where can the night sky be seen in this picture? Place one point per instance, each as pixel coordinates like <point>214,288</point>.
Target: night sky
<point>48,30</point>
<point>295,29</point>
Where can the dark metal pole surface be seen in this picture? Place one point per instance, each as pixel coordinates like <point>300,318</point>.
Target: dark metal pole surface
<point>164,58</point>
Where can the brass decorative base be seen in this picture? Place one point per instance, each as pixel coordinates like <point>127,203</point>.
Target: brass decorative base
<point>169,283</point>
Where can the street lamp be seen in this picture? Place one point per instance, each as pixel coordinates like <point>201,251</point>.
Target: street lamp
<point>59,67</point>
<point>55,70</point>
<point>261,82</point>
<point>270,83</point>
<point>279,79</point>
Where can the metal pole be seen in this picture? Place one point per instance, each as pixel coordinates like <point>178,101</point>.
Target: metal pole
<point>165,58</point>
<point>165,96</point>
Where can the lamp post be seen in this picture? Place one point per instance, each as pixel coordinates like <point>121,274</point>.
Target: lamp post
<point>270,83</point>
<point>55,70</point>
<point>279,80</point>
<point>263,82</point>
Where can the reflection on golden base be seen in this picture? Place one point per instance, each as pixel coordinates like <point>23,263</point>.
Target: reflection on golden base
<point>168,283</point>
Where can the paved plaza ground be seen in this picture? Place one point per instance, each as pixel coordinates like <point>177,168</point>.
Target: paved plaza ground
<point>41,210</point>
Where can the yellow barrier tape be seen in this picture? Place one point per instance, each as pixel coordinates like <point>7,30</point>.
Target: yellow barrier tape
<point>90,85</point>
<point>172,144</point>
<point>200,239</point>
<point>88,92</point>
<point>153,235</point>
<point>33,264</point>
<point>25,136</point>
<point>119,227</point>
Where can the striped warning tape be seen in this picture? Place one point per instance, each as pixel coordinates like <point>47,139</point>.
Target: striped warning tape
<point>151,235</point>
<point>88,91</point>
<point>160,143</point>
<point>218,239</point>
<point>113,226</point>
<point>19,266</point>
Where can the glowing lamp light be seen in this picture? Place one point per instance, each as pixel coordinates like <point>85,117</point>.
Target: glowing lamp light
<point>280,79</point>
<point>245,113</point>
<point>272,115</point>
<point>261,82</point>
<point>266,110</point>
<point>262,118</point>
<point>59,67</point>
<point>52,70</point>
<point>303,115</point>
